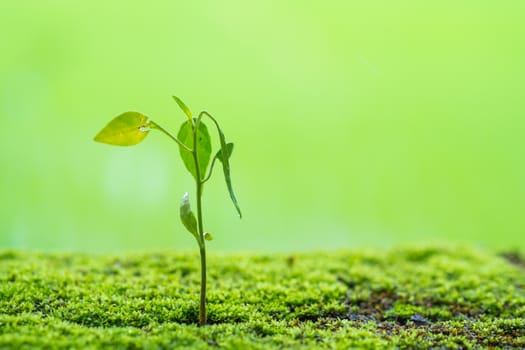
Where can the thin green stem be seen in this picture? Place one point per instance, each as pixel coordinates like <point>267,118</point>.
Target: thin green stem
<point>160,128</point>
<point>211,170</point>
<point>214,158</point>
<point>202,248</point>
<point>208,115</point>
<point>202,309</point>
<point>202,245</point>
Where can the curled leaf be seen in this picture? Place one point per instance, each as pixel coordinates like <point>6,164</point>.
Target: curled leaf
<point>187,217</point>
<point>127,129</point>
<point>229,151</point>
<point>218,155</point>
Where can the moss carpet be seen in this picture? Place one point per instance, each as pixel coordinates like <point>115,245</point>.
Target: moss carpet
<point>419,297</point>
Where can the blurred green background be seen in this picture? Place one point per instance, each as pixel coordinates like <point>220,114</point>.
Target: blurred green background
<point>356,123</point>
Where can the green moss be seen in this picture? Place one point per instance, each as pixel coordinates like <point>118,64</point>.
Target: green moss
<point>411,297</point>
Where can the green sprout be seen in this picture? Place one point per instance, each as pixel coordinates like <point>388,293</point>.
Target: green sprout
<point>130,128</point>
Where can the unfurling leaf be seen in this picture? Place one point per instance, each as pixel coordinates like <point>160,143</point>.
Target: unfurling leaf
<point>185,135</point>
<point>207,236</point>
<point>225,149</point>
<point>187,216</point>
<point>184,108</point>
<point>218,155</point>
<point>127,129</point>
<point>229,151</point>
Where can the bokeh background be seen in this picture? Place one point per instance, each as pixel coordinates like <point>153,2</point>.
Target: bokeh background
<point>356,123</point>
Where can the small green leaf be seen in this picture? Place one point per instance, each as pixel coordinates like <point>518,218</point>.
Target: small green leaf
<point>127,129</point>
<point>207,236</point>
<point>185,135</point>
<point>225,149</point>
<point>184,108</point>
<point>187,217</point>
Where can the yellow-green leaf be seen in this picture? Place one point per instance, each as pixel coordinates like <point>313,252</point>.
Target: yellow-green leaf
<point>127,129</point>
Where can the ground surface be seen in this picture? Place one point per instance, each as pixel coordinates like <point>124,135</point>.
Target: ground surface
<point>413,297</point>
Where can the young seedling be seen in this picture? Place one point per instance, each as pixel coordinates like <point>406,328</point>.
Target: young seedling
<point>195,149</point>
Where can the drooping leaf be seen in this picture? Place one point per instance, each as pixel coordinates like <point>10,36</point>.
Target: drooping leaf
<point>226,164</point>
<point>218,155</point>
<point>184,108</point>
<point>127,129</point>
<point>187,217</point>
<point>185,135</point>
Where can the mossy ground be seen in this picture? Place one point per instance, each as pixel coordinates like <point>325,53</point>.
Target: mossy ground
<point>411,297</point>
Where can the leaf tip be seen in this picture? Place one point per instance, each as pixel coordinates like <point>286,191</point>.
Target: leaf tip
<point>184,108</point>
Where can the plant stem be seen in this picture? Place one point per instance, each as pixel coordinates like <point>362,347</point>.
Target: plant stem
<point>160,128</point>
<point>202,309</point>
<point>202,245</point>
<point>202,249</point>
